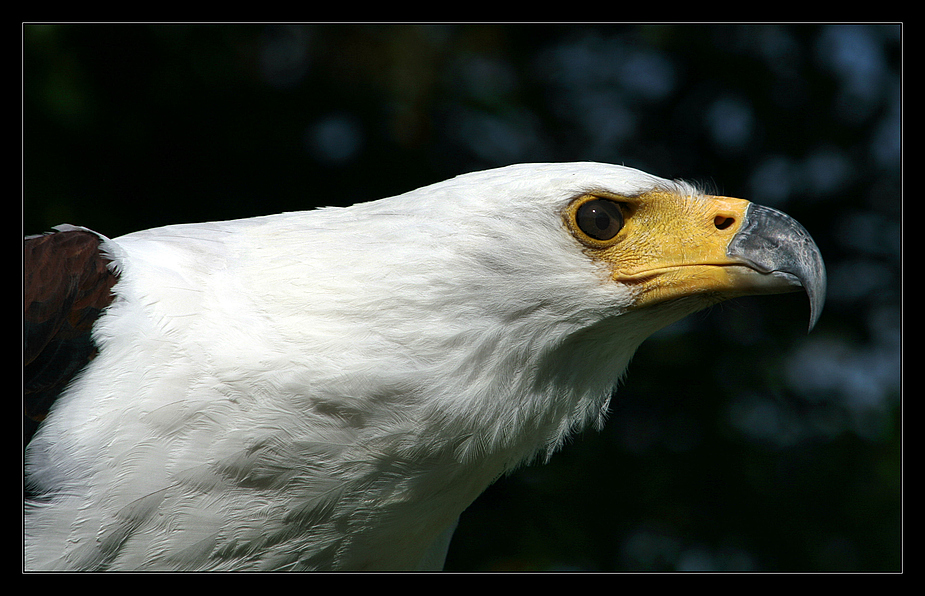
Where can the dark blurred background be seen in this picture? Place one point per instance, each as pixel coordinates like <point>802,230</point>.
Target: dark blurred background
<point>737,442</point>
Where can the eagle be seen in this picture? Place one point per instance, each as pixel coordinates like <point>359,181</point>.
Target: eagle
<point>330,389</point>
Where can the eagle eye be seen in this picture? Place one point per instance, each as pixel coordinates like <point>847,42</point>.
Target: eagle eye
<point>600,219</point>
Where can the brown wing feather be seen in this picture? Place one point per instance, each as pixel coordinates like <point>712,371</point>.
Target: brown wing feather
<point>66,284</point>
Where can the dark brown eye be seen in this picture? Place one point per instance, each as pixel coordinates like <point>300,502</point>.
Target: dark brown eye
<point>600,219</point>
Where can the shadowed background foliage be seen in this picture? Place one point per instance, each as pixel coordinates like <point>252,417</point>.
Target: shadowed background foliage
<point>737,441</point>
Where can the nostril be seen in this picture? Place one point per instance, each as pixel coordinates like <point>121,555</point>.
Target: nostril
<point>721,222</point>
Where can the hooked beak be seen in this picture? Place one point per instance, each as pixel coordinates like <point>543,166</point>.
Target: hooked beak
<point>776,245</point>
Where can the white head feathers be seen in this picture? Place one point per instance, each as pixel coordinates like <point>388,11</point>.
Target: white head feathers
<point>286,392</point>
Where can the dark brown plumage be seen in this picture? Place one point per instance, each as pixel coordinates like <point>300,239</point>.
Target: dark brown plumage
<point>66,284</point>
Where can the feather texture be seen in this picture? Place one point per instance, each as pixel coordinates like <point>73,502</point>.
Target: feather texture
<point>330,389</point>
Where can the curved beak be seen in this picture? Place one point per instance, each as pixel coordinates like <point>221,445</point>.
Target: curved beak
<point>682,253</point>
<point>775,244</point>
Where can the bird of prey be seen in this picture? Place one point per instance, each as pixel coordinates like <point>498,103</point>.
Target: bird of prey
<point>330,389</point>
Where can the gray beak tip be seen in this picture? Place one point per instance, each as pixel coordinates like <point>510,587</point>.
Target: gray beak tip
<point>771,241</point>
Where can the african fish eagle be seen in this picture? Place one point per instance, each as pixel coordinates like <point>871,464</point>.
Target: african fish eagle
<point>330,389</point>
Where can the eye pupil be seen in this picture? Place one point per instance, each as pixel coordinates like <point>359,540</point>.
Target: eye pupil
<point>600,219</point>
